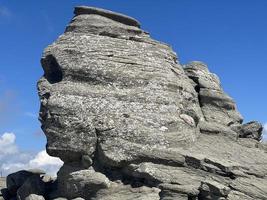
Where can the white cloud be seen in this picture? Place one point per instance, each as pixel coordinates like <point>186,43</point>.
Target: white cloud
<point>13,159</point>
<point>43,161</point>
<point>7,144</point>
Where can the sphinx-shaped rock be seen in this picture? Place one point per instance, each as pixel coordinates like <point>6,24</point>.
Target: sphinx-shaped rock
<point>130,122</point>
<point>112,94</point>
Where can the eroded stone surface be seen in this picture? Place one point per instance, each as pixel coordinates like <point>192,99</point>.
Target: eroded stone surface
<point>130,122</point>
<point>215,104</point>
<point>112,89</point>
<point>249,130</point>
<point>74,182</point>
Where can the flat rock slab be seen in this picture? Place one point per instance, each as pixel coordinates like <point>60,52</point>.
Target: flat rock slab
<point>82,10</point>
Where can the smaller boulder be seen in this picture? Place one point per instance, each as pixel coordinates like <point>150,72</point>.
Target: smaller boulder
<point>251,129</point>
<point>33,185</point>
<point>15,180</point>
<point>75,182</point>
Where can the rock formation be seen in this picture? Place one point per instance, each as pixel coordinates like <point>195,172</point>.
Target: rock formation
<point>130,122</point>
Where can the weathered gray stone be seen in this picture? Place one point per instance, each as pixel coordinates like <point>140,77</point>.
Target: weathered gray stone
<point>263,145</point>
<point>214,128</point>
<point>118,191</point>
<point>235,195</point>
<point>249,130</point>
<point>214,188</point>
<point>170,195</point>
<point>252,187</point>
<point>249,142</point>
<point>158,173</point>
<point>33,185</point>
<point>74,182</point>
<point>130,122</point>
<point>85,10</point>
<point>172,191</point>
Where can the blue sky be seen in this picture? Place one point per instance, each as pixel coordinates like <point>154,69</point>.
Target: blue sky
<point>230,36</point>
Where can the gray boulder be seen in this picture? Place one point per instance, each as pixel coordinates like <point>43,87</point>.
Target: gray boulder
<point>15,180</point>
<point>130,122</point>
<point>86,10</point>
<point>249,130</point>
<point>33,187</point>
<point>214,128</point>
<point>212,189</point>
<point>118,191</point>
<point>252,187</point>
<point>215,104</point>
<point>74,182</point>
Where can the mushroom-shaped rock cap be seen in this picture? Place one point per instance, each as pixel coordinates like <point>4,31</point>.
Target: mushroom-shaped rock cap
<point>198,65</point>
<point>86,10</point>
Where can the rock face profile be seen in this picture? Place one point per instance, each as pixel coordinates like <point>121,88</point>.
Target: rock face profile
<point>132,123</point>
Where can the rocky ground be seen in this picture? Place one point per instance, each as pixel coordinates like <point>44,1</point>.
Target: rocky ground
<point>131,122</point>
